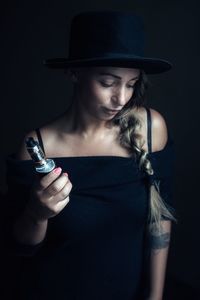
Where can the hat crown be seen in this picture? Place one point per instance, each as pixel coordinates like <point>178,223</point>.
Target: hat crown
<point>108,38</point>
<point>94,34</point>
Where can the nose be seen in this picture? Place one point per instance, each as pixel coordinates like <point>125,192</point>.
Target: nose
<point>119,97</point>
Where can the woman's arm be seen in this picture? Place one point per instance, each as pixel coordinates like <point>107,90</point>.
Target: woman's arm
<point>159,243</point>
<point>48,196</point>
<point>27,229</point>
<point>158,261</point>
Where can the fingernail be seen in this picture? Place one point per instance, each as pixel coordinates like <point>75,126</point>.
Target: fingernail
<point>66,174</point>
<point>57,170</point>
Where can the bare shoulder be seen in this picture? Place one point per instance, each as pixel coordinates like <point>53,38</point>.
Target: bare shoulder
<point>49,133</point>
<point>159,128</point>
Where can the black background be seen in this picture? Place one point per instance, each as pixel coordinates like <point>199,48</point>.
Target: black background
<point>31,94</point>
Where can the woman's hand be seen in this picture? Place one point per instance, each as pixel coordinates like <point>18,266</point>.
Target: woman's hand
<point>49,195</point>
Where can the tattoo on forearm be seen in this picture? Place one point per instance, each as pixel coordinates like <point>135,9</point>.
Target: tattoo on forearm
<point>160,241</point>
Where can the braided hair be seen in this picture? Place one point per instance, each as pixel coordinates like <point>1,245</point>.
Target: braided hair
<point>130,138</point>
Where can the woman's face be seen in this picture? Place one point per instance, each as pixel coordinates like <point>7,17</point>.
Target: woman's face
<point>104,89</point>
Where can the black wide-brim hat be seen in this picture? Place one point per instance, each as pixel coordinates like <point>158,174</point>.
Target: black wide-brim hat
<point>108,38</point>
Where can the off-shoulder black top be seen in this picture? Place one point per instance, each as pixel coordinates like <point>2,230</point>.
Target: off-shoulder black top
<point>95,248</point>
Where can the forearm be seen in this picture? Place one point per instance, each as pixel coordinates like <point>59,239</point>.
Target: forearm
<point>158,261</point>
<point>27,230</point>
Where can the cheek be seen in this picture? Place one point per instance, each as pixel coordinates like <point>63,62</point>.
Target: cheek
<point>100,94</point>
<point>131,92</point>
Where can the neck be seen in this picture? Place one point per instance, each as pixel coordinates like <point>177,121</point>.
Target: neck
<point>83,123</point>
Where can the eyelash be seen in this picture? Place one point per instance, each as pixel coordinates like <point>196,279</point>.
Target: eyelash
<point>110,85</point>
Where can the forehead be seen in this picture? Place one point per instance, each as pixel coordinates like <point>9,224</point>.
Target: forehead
<point>121,72</point>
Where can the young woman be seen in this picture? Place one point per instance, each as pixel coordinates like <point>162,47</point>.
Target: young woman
<point>98,225</point>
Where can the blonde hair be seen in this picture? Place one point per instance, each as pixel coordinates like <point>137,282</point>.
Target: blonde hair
<point>130,138</point>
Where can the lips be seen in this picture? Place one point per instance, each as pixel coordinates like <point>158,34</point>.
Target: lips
<point>113,110</point>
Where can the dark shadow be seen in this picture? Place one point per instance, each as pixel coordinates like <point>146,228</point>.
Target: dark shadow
<point>175,290</point>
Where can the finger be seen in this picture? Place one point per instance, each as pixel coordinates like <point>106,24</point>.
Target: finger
<point>47,180</point>
<point>64,193</point>
<point>61,204</point>
<point>54,188</point>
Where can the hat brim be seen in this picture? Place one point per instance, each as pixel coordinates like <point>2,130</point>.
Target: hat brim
<point>149,65</point>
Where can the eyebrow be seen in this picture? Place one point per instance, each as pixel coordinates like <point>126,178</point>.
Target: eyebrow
<point>113,75</point>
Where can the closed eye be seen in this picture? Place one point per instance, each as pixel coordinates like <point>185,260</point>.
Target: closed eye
<point>106,84</point>
<point>111,84</point>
